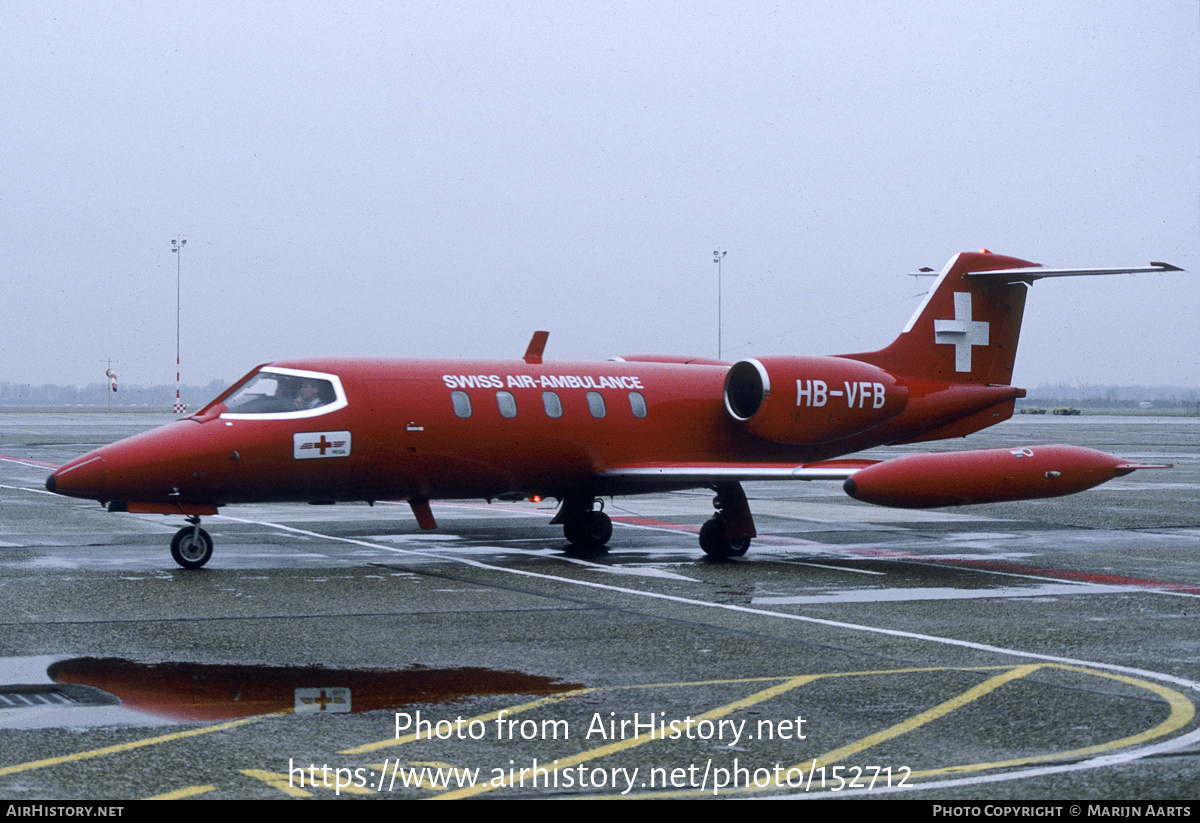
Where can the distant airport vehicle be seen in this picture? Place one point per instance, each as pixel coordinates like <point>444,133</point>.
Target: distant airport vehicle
<point>1066,410</point>
<point>1033,410</point>
<point>334,430</point>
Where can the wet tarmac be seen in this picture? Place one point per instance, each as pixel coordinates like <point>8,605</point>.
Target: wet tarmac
<point>1044,649</point>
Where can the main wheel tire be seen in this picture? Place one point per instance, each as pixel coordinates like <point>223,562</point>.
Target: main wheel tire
<point>716,544</point>
<point>191,548</point>
<point>590,529</point>
<point>599,528</point>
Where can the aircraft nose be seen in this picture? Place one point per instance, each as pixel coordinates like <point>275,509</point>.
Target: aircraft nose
<point>83,477</point>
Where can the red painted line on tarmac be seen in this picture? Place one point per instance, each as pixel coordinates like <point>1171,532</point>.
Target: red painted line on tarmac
<point>1017,568</point>
<point>1037,571</point>
<point>989,565</point>
<point>889,554</point>
<point>655,524</point>
<point>1067,574</point>
<point>39,463</point>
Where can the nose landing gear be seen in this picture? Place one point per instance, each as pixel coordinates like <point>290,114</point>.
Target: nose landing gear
<point>191,547</point>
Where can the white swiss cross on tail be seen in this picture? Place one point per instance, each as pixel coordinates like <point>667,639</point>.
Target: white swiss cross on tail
<point>962,332</point>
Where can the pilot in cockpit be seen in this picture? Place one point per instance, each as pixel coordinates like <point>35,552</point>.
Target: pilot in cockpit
<point>308,394</point>
<point>273,393</point>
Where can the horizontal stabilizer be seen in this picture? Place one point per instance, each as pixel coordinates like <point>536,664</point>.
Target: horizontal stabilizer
<point>1037,273</point>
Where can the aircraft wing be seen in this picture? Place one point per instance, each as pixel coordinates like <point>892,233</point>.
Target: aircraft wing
<point>697,472</point>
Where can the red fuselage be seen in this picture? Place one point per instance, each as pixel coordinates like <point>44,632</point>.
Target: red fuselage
<point>407,440</point>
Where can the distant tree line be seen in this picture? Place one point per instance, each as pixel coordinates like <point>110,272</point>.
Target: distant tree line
<point>1113,397</point>
<point>100,396</point>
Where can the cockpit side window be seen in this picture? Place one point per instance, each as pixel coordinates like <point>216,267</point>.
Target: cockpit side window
<point>278,392</point>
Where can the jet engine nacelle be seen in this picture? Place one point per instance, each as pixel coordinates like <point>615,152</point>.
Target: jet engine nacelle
<point>811,400</point>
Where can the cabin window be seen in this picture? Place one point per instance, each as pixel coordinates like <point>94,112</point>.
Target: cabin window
<point>462,403</point>
<point>595,402</point>
<point>553,404</point>
<point>637,404</point>
<point>507,403</point>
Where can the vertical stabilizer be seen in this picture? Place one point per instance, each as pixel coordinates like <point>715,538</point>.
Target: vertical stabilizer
<point>966,329</point>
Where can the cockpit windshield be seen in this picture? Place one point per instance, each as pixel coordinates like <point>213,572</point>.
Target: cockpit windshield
<point>274,391</point>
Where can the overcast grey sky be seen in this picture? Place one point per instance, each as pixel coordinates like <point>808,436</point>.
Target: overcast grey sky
<point>441,179</point>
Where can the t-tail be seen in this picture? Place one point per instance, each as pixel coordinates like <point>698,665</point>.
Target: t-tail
<point>966,329</point>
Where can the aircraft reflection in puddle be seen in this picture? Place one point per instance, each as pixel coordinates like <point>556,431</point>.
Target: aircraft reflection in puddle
<point>196,691</point>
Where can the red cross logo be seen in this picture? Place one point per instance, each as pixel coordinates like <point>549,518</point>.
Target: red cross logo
<point>320,444</point>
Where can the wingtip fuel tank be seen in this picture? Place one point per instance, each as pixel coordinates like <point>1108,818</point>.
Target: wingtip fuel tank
<point>927,481</point>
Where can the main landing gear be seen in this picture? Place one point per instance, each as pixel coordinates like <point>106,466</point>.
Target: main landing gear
<point>729,531</point>
<point>726,534</point>
<point>191,547</point>
<point>585,527</point>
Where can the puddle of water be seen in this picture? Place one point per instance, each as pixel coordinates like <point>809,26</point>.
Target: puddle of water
<point>149,693</point>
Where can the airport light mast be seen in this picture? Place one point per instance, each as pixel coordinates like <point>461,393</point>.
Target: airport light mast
<point>177,249</point>
<point>717,255</point>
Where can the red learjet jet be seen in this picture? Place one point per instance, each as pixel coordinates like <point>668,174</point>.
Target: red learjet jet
<point>333,430</point>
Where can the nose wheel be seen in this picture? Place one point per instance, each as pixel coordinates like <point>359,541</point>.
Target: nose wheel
<point>191,547</point>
